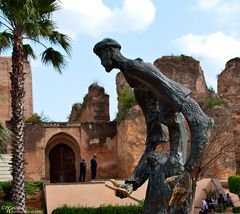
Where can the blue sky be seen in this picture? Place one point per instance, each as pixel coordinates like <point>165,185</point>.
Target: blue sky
<point>208,30</point>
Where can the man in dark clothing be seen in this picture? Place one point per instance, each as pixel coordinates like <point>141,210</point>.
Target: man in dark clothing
<point>82,171</point>
<point>94,166</point>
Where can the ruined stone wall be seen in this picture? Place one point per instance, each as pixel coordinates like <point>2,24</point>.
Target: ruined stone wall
<point>35,153</point>
<point>130,141</point>
<point>99,139</point>
<point>95,106</point>
<point>5,86</point>
<point>221,142</point>
<point>89,132</point>
<point>84,139</point>
<point>229,90</point>
<point>131,133</point>
<point>185,70</point>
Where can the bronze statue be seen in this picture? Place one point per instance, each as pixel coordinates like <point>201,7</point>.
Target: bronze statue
<point>164,102</point>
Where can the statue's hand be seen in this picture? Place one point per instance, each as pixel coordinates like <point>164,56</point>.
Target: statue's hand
<point>122,190</point>
<point>182,184</point>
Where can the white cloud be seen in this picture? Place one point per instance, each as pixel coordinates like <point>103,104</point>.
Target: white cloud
<point>217,46</point>
<point>215,49</point>
<point>94,17</point>
<point>224,10</point>
<point>208,5</point>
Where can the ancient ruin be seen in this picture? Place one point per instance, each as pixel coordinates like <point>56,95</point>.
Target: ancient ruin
<point>118,153</point>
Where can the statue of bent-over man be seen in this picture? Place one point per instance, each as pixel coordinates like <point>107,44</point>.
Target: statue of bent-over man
<point>164,102</point>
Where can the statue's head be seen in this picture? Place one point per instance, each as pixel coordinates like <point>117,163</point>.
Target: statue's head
<point>104,49</point>
<point>105,44</point>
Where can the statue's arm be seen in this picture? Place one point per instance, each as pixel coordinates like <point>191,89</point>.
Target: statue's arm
<point>142,170</point>
<point>200,126</point>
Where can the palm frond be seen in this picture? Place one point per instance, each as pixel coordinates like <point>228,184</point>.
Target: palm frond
<point>4,22</point>
<point>55,58</point>
<point>5,41</point>
<point>61,39</point>
<point>6,136</point>
<point>46,26</point>
<point>28,52</point>
<point>39,28</point>
<point>46,7</point>
<point>16,11</point>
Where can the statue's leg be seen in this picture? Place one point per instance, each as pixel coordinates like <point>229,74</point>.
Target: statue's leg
<point>157,194</point>
<point>178,138</point>
<point>174,165</point>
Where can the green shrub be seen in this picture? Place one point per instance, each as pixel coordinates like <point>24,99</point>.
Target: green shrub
<point>35,210</point>
<point>234,184</point>
<point>35,117</point>
<point>6,207</point>
<point>126,100</point>
<point>132,209</point>
<point>6,189</point>
<point>30,188</point>
<point>213,101</point>
<point>236,209</point>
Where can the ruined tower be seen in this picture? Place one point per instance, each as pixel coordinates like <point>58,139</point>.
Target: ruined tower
<point>5,87</point>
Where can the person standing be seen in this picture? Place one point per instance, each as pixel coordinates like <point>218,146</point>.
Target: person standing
<point>94,167</point>
<point>82,170</point>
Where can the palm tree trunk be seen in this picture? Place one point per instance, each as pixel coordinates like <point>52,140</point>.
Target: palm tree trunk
<point>17,122</point>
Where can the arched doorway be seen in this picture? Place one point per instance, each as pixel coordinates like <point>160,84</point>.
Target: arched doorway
<point>62,164</point>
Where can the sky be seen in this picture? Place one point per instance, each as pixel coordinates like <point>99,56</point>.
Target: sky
<point>208,30</point>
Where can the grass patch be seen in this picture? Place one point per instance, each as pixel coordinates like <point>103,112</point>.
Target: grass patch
<point>213,101</point>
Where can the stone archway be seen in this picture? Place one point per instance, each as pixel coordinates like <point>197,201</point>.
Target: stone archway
<point>62,164</point>
<point>62,158</point>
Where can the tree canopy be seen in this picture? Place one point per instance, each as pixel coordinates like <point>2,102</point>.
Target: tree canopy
<point>32,21</point>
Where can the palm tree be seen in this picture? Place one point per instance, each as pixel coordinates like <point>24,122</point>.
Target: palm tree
<point>21,21</point>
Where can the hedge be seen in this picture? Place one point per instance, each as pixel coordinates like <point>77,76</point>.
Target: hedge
<point>132,209</point>
<point>234,184</point>
<point>236,209</point>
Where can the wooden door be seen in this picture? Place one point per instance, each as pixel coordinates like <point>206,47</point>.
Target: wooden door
<point>62,164</point>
